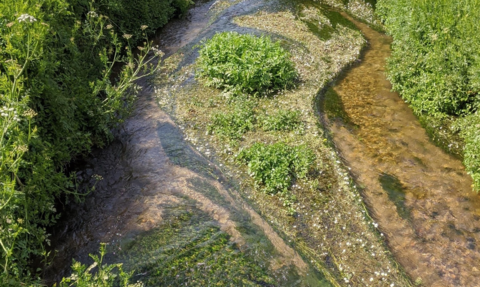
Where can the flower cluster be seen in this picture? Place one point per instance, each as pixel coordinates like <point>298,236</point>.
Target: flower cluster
<point>157,51</point>
<point>26,18</point>
<point>5,112</point>
<point>92,14</point>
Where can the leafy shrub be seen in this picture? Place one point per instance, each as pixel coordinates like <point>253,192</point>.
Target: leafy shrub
<point>469,129</point>
<point>129,15</point>
<point>57,100</point>
<point>435,64</point>
<point>234,124</point>
<point>275,166</point>
<point>284,120</point>
<point>245,63</point>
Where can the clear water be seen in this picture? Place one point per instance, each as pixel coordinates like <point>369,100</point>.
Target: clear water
<point>420,196</point>
<point>155,184</point>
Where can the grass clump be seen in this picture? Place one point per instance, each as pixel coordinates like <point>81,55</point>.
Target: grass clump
<point>275,166</point>
<point>245,64</point>
<point>435,64</point>
<point>283,120</point>
<point>233,125</point>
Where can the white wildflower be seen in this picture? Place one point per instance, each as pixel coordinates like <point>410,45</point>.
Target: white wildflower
<point>26,18</point>
<point>92,14</point>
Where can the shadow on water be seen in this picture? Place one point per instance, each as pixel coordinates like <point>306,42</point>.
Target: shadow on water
<point>420,196</point>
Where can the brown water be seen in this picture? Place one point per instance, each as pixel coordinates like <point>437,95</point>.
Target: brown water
<point>149,170</point>
<point>420,196</point>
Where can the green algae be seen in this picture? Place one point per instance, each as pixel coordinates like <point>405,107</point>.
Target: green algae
<point>189,249</point>
<point>396,193</point>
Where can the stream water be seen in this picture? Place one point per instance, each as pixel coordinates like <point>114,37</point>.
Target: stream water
<point>156,188</point>
<point>420,196</point>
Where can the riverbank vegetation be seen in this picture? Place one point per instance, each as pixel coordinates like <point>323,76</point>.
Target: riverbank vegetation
<point>435,67</point>
<point>59,97</point>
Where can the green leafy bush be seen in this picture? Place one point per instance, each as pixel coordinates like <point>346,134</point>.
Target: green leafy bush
<point>435,64</point>
<point>245,64</point>
<point>58,98</point>
<point>275,166</point>
<point>234,124</point>
<point>284,120</point>
<point>128,16</point>
<point>469,127</point>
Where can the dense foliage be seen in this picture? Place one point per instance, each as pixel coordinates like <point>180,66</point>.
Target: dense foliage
<point>245,64</point>
<point>58,98</point>
<point>435,64</point>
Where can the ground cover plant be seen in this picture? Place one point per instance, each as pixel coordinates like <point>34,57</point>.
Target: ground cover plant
<point>283,120</point>
<point>232,125</point>
<point>324,217</point>
<point>245,64</point>
<point>59,97</point>
<point>275,166</point>
<point>436,68</point>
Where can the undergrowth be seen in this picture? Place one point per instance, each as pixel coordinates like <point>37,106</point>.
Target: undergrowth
<point>98,274</point>
<point>234,124</point>
<point>435,64</point>
<point>59,97</point>
<point>283,120</point>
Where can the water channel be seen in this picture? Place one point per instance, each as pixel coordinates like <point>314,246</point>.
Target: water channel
<point>421,196</point>
<point>156,183</point>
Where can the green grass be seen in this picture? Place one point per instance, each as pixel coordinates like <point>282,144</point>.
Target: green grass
<point>435,64</point>
<point>245,64</point>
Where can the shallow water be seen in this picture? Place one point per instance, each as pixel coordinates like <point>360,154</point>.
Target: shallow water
<point>152,177</point>
<point>420,196</point>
